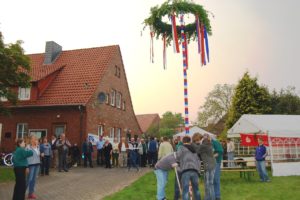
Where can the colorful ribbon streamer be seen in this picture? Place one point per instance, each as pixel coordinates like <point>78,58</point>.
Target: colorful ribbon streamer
<point>202,45</point>
<point>198,33</point>
<point>164,51</point>
<point>151,47</point>
<point>206,44</point>
<point>175,35</point>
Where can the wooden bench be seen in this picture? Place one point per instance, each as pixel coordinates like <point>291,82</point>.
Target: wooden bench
<point>246,173</point>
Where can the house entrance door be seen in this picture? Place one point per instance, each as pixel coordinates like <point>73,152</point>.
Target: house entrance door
<point>59,129</point>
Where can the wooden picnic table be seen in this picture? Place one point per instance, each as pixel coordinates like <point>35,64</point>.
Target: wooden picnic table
<point>240,166</point>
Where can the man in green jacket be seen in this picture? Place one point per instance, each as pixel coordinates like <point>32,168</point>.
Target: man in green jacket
<point>20,164</point>
<point>218,154</point>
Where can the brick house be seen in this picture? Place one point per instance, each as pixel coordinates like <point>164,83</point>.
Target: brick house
<point>77,92</point>
<point>147,121</point>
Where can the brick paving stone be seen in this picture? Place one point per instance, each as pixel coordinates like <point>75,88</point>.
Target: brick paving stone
<point>79,183</point>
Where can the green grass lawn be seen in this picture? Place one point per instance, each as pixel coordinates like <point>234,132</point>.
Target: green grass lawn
<point>232,188</point>
<point>6,174</point>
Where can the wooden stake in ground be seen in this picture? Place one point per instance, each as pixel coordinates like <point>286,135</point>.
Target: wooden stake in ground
<point>178,182</point>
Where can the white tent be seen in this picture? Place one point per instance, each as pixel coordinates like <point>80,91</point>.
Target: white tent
<point>283,133</point>
<point>193,130</point>
<point>274,125</point>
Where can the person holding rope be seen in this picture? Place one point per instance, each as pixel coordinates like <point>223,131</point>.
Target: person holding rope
<point>161,169</point>
<point>190,166</point>
<point>204,150</point>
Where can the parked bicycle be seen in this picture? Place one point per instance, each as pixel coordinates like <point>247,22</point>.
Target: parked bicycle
<point>6,159</point>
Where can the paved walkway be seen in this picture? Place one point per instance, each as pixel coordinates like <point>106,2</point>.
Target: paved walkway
<point>79,183</point>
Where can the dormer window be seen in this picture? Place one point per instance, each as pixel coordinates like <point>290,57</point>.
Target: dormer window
<point>24,93</point>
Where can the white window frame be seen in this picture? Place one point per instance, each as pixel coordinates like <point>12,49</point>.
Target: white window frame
<point>24,93</point>
<point>112,133</point>
<point>3,99</point>
<point>118,134</point>
<point>23,131</point>
<point>119,100</point>
<point>100,130</point>
<point>36,130</point>
<point>113,97</point>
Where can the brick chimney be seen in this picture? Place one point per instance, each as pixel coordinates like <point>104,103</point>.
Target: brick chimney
<point>52,51</point>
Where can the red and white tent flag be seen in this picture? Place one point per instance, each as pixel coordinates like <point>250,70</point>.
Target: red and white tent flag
<point>252,139</point>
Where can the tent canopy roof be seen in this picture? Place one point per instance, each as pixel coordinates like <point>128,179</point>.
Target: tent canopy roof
<point>274,125</point>
<point>193,130</point>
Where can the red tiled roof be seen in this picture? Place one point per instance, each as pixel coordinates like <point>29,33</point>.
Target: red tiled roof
<point>145,121</point>
<point>80,73</point>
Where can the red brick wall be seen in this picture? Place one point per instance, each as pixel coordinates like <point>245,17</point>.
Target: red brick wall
<point>105,113</point>
<point>41,118</point>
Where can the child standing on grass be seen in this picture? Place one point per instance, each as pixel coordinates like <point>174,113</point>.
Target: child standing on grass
<point>20,164</point>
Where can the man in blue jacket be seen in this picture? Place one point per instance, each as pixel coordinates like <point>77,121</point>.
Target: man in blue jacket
<point>87,149</point>
<point>260,157</point>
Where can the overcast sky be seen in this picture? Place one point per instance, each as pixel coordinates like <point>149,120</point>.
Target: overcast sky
<point>259,36</point>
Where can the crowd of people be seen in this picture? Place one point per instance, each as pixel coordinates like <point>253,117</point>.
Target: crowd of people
<point>190,157</point>
<point>199,155</point>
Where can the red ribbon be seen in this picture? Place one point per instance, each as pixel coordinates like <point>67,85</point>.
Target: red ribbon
<point>175,33</point>
<point>202,45</point>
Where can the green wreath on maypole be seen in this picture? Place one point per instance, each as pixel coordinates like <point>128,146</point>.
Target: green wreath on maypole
<point>170,32</point>
<point>160,28</point>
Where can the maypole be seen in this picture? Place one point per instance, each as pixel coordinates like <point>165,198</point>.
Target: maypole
<point>185,80</point>
<point>171,33</point>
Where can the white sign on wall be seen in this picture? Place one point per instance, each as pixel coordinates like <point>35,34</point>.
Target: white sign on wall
<point>93,138</point>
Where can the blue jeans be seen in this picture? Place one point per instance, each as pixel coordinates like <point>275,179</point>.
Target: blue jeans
<point>132,159</point>
<point>261,168</point>
<point>230,156</point>
<point>186,178</point>
<point>31,178</point>
<point>161,177</point>
<point>217,177</point>
<point>209,184</point>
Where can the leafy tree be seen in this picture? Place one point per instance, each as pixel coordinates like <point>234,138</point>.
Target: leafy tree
<point>169,122</point>
<point>168,132</point>
<point>217,104</point>
<point>14,67</point>
<point>285,102</point>
<point>249,98</point>
<point>153,130</point>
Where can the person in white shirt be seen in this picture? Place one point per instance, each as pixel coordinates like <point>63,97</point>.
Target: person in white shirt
<point>230,153</point>
<point>115,153</point>
<point>123,149</point>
